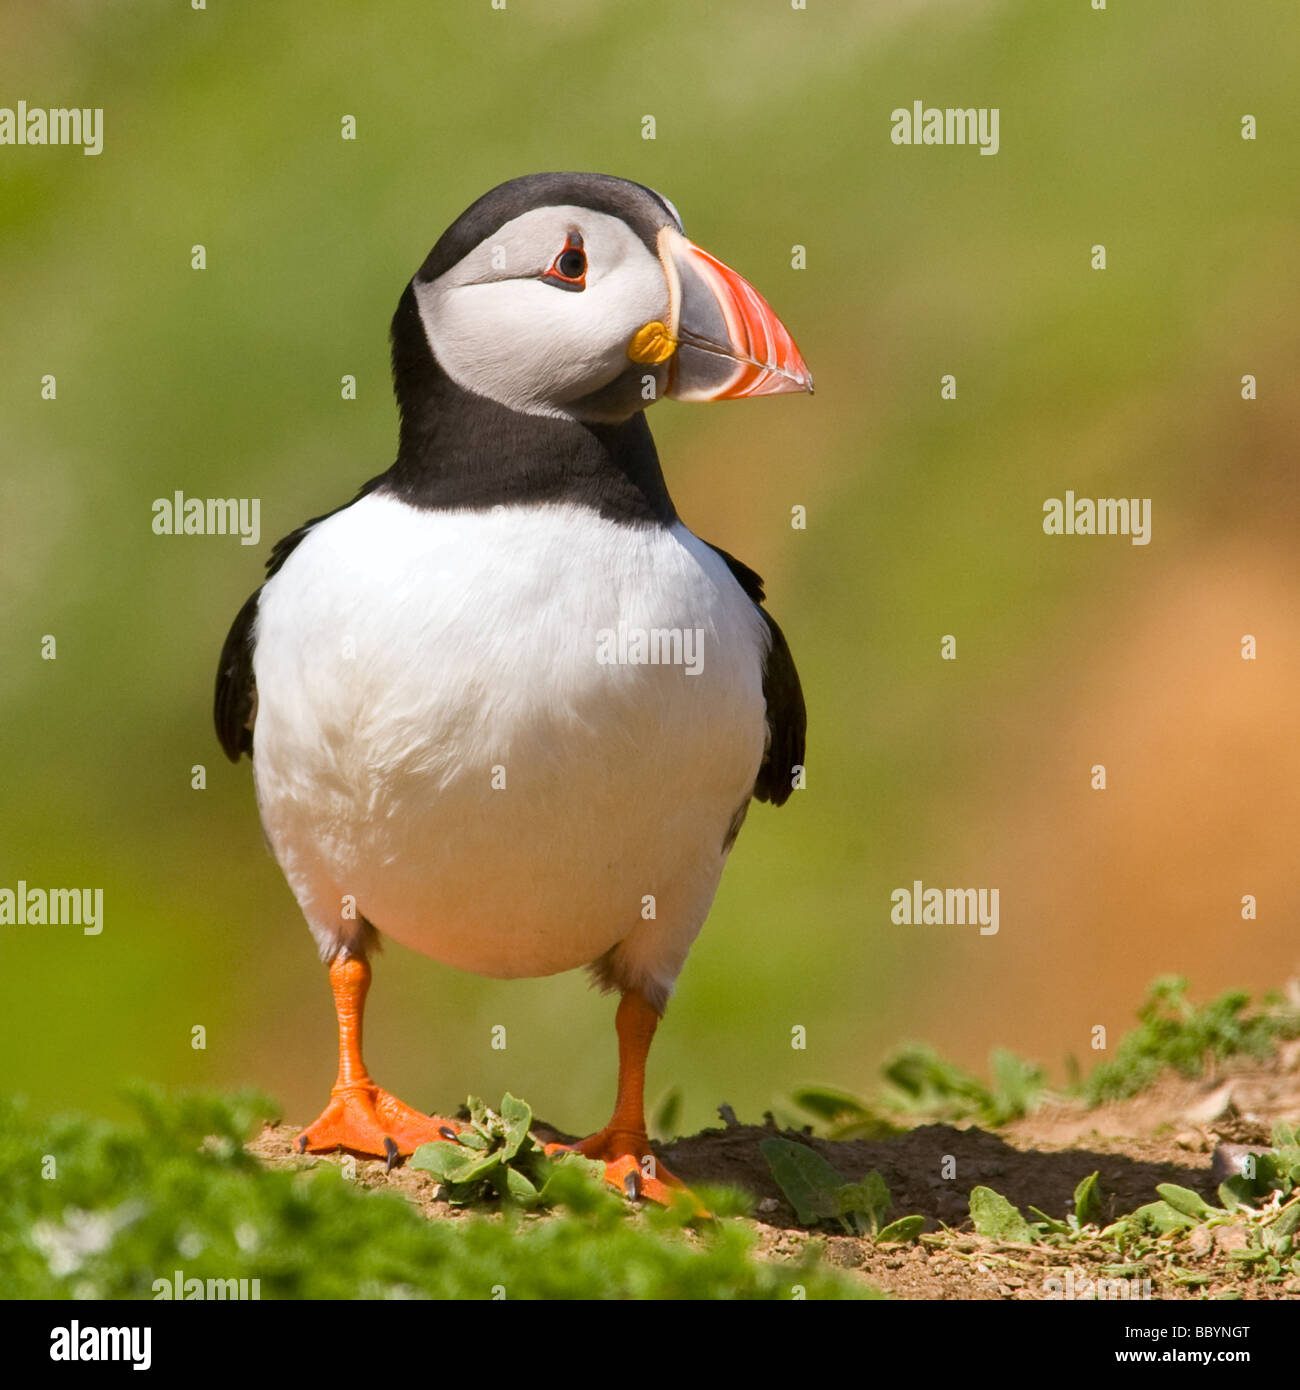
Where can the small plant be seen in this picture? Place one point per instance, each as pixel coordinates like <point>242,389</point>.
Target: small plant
<point>819,1192</point>
<point>840,1115</point>
<point>496,1157</point>
<point>1265,1226</point>
<point>1174,1033</point>
<point>921,1083</point>
<point>1278,1171</point>
<point>994,1216</point>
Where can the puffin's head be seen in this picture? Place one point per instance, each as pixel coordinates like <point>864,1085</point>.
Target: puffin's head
<point>579,295</point>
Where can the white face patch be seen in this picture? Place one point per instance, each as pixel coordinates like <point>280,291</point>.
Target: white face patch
<point>502,331</point>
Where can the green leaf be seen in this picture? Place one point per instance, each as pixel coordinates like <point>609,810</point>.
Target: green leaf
<point>1233,1193</point>
<point>478,1115</point>
<point>471,1139</point>
<point>461,1194</point>
<point>1054,1227</point>
<point>520,1189</point>
<point>869,1198</point>
<point>436,1158</point>
<point>927,1082</point>
<point>1279,1234</point>
<point>535,1163</point>
<point>517,1116</point>
<point>808,1181</point>
<point>829,1104</point>
<point>578,1183</point>
<point>994,1216</point>
<point>1161,1218</point>
<point>1287,1220</point>
<point>480,1167</point>
<point>1270,1173</point>
<point>570,1158</point>
<point>1087,1200</point>
<point>1183,1199</point>
<point>903,1231</point>
<point>453,1163</point>
<point>1017,1086</point>
<point>840,1115</point>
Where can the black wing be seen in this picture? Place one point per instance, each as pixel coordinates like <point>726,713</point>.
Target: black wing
<point>787,716</point>
<point>234,706</point>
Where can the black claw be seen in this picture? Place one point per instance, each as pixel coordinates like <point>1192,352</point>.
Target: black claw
<point>301,1142</point>
<point>448,1133</point>
<point>392,1152</point>
<point>632,1185</point>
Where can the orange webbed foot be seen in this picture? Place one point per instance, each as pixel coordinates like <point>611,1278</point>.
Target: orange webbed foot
<point>630,1166</point>
<point>365,1119</point>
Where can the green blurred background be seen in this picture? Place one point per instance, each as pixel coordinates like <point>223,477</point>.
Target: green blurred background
<point>222,127</point>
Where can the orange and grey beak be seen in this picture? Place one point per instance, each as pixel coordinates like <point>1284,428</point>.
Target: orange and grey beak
<point>722,340</point>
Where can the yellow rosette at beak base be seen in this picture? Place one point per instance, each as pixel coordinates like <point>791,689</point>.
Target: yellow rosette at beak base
<point>652,344</point>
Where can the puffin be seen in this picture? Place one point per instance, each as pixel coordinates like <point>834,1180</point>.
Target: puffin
<point>504,707</point>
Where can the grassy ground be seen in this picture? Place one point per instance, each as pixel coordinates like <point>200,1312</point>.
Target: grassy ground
<point>1049,1195</point>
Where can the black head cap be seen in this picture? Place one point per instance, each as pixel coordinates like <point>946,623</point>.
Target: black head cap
<point>641,208</point>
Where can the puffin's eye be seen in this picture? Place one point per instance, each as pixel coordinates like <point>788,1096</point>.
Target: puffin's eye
<point>569,269</point>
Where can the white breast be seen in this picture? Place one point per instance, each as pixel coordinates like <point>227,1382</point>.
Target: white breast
<point>455,733</point>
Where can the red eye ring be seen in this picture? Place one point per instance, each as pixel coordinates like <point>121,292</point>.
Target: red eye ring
<point>569,269</point>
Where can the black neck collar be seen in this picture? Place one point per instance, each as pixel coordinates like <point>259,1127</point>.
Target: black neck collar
<point>457,449</point>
